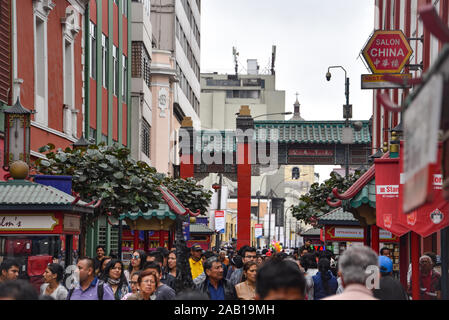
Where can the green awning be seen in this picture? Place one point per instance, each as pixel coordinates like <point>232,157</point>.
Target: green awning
<point>367,195</point>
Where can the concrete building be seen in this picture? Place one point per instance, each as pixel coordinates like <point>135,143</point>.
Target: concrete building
<point>176,28</point>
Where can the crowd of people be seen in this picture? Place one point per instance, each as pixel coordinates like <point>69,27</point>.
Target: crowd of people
<point>246,274</point>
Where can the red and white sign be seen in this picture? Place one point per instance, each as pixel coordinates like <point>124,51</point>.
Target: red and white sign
<point>387,196</point>
<point>354,234</point>
<point>258,230</point>
<point>421,143</point>
<point>387,51</point>
<point>220,221</point>
<point>432,216</point>
<point>311,152</point>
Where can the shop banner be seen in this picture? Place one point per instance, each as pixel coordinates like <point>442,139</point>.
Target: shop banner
<point>220,221</point>
<point>432,216</point>
<point>354,234</point>
<point>35,222</point>
<point>258,231</point>
<point>387,196</point>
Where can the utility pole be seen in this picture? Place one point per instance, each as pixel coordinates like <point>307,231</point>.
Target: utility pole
<point>218,236</point>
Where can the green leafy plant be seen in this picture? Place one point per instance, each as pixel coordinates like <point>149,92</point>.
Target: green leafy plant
<point>313,205</point>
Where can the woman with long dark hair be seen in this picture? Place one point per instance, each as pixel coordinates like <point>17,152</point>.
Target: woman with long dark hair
<point>171,263</point>
<point>114,275</point>
<point>246,290</point>
<point>52,287</point>
<point>138,261</point>
<point>324,282</point>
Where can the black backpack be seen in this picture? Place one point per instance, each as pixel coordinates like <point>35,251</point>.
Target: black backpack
<point>100,291</point>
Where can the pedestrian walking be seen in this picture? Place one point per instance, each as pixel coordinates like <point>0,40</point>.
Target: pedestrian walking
<point>138,261</point>
<point>206,255</point>
<point>354,266</point>
<point>324,282</point>
<point>133,284</point>
<point>196,265</point>
<point>171,263</point>
<point>114,276</point>
<point>248,254</point>
<point>280,280</point>
<point>101,251</point>
<point>234,263</point>
<point>89,286</point>
<point>246,290</point>
<point>215,286</point>
<point>104,262</point>
<point>389,287</point>
<point>9,270</point>
<point>147,283</point>
<point>52,286</point>
<point>309,264</point>
<point>17,290</point>
<point>429,280</point>
<point>166,278</point>
<point>163,291</point>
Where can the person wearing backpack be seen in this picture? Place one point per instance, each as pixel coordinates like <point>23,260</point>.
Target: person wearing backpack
<point>89,286</point>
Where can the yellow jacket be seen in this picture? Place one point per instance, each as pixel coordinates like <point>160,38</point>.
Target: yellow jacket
<point>196,267</point>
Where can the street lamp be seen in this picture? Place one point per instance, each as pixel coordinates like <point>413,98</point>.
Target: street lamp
<point>17,134</point>
<point>347,113</point>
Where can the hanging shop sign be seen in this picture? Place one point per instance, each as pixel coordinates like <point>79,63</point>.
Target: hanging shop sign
<point>377,81</point>
<point>387,51</point>
<point>258,230</point>
<point>421,143</point>
<point>19,223</point>
<point>220,221</point>
<point>387,196</point>
<point>432,216</point>
<point>354,234</point>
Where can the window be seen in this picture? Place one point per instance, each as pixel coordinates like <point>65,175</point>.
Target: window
<point>146,138</point>
<point>115,61</point>
<point>295,173</point>
<point>93,50</point>
<point>105,59</point>
<point>141,62</point>
<point>124,77</point>
<point>40,77</point>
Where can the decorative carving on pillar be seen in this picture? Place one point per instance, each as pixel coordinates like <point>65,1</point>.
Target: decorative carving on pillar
<point>163,102</point>
<point>43,8</point>
<point>70,23</point>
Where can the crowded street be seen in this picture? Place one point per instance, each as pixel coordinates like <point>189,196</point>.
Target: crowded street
<point>224,151</point>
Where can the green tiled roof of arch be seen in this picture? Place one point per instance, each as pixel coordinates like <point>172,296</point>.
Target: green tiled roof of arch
<point>305,132</point>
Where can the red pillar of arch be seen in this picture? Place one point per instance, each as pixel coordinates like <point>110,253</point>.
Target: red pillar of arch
<point>244,195</point>
<point>244,139</point>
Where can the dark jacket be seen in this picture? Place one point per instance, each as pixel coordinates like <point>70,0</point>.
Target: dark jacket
<point>319,292</point>
<point>229,289</point>
<point>390,289</point>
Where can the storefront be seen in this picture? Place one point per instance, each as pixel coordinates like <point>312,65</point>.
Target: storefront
<point>314,236</point>
<point>39,224</point>
<point>341,230</point>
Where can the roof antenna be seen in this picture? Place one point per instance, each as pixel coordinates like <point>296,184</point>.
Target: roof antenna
<point>235,54</point>
<point>273,59</point>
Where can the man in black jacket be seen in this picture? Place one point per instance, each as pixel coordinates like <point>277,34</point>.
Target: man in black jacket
<point>215,286</point>
<point>389,287</point>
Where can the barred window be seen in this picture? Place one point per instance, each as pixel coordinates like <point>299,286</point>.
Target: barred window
<point>146,137</point>
<point>141,62</point>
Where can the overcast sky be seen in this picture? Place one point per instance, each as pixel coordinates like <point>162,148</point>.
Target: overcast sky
<point>310,36</point>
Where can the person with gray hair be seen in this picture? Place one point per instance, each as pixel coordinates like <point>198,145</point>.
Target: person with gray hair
<point>357,266</point>
<point>215,286</point>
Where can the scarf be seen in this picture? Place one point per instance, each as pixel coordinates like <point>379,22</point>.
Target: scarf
<point>113,282</point>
